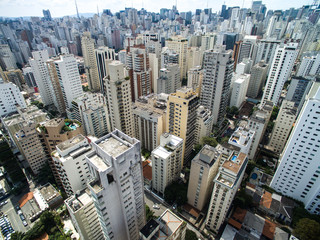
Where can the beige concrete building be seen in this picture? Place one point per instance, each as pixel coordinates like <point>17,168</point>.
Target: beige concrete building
<point>84,216</point>
<point>168,227</point>
<point>204,124</point>
<point>204,167</point>
<point>166,162</point>
<point>149,115</point>
<point>282,127</point>
<point>182,116</point>
<point>90,63</point>
<point>194,57</point>
<point>195,77</point>
<point>118,94</point>
<point>226,185</point>
<point>257,79</point>
<point>179,44</point>
<point>169,80</point>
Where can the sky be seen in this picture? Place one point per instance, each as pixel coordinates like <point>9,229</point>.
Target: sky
<point>59,8</point>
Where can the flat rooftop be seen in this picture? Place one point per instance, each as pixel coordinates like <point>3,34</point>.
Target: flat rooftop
<point>76,202</point>
<point>234,163</point>
<point>98,162</point>
<point>161,152</point>
<point>71,142</point>
<point>113,146</point>
<point>169,222</point>
<point>149,228</point>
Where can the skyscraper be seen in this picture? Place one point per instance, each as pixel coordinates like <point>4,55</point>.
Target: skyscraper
<point>118,94</point>
<point>297,175</point>
<point>169,80</point>
<point>117,185</point>
<point>257,79</point>
<point>90,62</point>
<point>282,64</point>
<point>182,116</point>
<point>215,91</point>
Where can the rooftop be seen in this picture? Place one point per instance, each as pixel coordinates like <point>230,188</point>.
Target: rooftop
<point>77,201</point>
<point>234,163</point>
<point>113,146</point>
<point>169,222</point>
<point>70,142</point>
<point>149,228</point>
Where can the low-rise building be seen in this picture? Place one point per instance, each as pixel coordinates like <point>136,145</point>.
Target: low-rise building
<point>242,138</point>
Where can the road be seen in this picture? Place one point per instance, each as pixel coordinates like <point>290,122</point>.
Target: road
<point>151,200</point>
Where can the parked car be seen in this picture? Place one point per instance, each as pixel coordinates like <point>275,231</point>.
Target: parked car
<point>156,206</point>
<point>25,223</point>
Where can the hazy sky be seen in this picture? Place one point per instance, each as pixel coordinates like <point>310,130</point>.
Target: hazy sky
<point>58,8</point>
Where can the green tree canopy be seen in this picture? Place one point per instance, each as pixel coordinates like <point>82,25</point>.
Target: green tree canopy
<point>210,141</point>
<point>191,235</point>
<point>307,229</point>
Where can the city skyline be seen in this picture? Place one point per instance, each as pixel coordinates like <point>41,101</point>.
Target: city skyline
<point>59,8</point>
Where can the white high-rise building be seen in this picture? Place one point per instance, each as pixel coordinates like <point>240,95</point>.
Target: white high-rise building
<point>257,79</point>
<point>169,80</point>
<point>239,90</point>
<point>298,173</point>
<point>7,59</point>
<point>242,138</point>
<point>41,75</point>
<point>204,124</point>
<point>10,95</point>
<point>226,185</point>
<point>166,161</point>
<point>309,66</point>
<point>266,50</point>
<point>91,110</point>
<point>117,185</point>
<point>215,90</point>
<point>67,73</point>
<point>84,216</point>
<point>282,64</point>
<point>69,159</point>
<point>104,56</point>
<point>118,94</point>
<point>195,77</point>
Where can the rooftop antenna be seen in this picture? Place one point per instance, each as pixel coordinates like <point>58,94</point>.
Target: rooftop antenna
<point>207,4</point>
<point>242,3</point>
<point>98,10</point>
<point>75,2</point>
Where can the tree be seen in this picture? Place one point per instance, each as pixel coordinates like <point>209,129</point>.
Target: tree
<point>274,113</point>
<point>191,235</point>
<point>210,141</point>
<point>45,175</point>
<point>176,192</point>
<point>307,229</point>
<point>17,236</point>
<point>149,214</point>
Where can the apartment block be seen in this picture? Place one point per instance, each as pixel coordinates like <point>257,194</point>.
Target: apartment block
<point>226,185</point>
<point>182,117</point>
<point>257,79</point>
<point>204,168</point>
<point>117,185</point>
<point>84,216</point>
<point>70,162</point>
<point>195,76</point>
<point>169,80</point>
<point>242,138</point>
<point>166,161</point>
<point>239,90</point>
<point>149,115</point>
<point>204,123</point>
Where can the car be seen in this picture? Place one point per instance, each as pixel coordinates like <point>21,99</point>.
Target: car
<point>25,223</point>
<point>19,212</point>
<point>22,217</point>
<point>17,208</point>
<point>156,206</point>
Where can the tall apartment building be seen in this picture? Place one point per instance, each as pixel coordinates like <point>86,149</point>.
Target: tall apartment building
<point>91,110</point>
<point>104,56</point>
<point>10,96</point>
<point>65,80</point>
<point>169,80</point>
<point>118,95</point>
<point>195,76</point>
<point>149,115</point>
<point>239,90</point>
<point>31,146</point>
<point>166,161</point>
<point>90,63</point>
<point>226,185</point>
<point>182,116</point>
<point>282,64</point>
<point>208,41</point>
<point>69,159</point>
<point>298,90</point>
<point>248,48</point>
<point>283,125</point>
<point>179,44</point>
<point>167,226</point>
<point>297,175</point>
<point>310,65</point>
<point>84,216</point>
<point>204,168</point>
<point>169,56</point>
<point>54,132</point>
<point>139,71</point>
<point>242,138</point>
<point>29,77</point>
<point>257,79</point>
<point>266,50</point>
<point>194,57</point>
<point>258,123</point>
<point>117,185</point>
<point>204,124</point>
<point>41,75</point>
<point>215,90</point>
<point>7,59</point>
